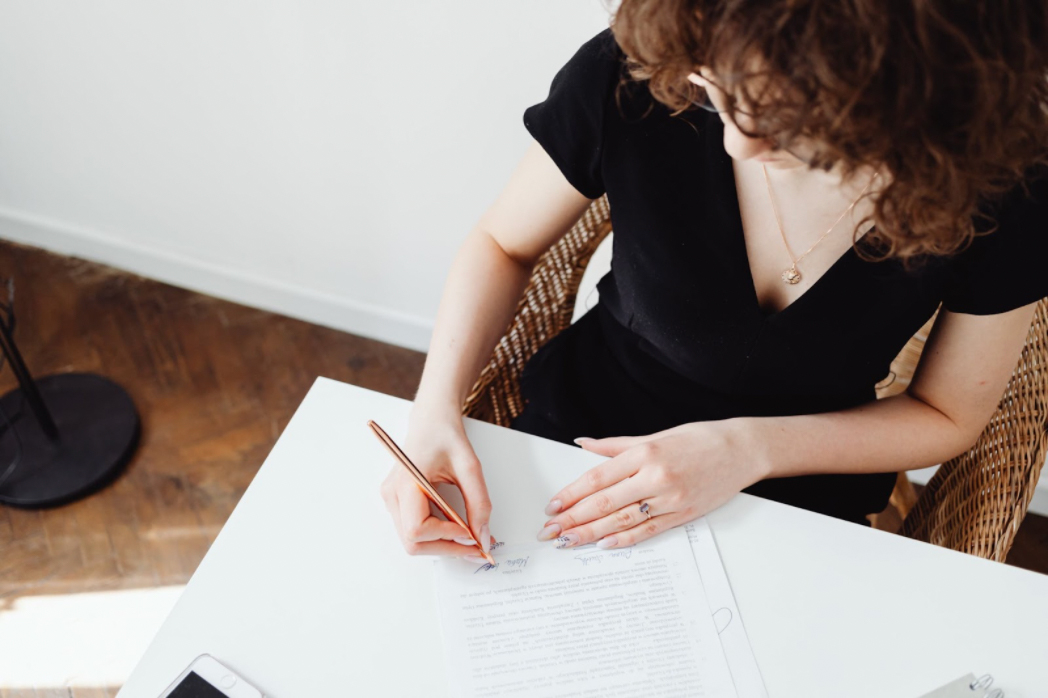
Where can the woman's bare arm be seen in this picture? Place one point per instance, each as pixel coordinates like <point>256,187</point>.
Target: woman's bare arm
<point>488,276</point>
<point>688,470</point>
<point>956,388</point>
<point>490,272</point>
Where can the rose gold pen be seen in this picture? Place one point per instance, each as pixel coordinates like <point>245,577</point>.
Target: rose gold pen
<point>425,485</point>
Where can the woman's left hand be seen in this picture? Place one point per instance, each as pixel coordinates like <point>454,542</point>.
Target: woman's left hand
<point>680,473</point>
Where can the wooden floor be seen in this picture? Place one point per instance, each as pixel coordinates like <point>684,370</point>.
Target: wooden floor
<point>215,383</point>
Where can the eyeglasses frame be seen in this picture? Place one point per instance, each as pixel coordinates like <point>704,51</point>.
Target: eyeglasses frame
<point>709,106</point>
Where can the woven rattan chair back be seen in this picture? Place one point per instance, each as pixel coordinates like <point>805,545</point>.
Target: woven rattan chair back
<point>543,311</point>
<point>974,503</point>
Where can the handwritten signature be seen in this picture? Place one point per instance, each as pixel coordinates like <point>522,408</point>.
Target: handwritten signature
<point>514,565</point>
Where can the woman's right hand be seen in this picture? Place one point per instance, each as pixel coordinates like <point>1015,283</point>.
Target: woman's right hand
<point>438,446</point>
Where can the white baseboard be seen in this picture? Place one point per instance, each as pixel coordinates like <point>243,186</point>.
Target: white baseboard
<point>235,285</point>
<point>1039,504</point>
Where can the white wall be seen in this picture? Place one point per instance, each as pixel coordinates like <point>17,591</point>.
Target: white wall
<point>321,159</point>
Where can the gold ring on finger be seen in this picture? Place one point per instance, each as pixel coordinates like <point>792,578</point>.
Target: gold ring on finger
<point>644,509</point>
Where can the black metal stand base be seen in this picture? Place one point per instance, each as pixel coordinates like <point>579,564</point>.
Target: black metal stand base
<point>98,431</point>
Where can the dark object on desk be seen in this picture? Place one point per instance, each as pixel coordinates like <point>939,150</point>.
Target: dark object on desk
<point>77,434</point>
<point>193,686</point>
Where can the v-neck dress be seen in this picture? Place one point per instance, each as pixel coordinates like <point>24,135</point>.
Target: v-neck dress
<point>678,335</point>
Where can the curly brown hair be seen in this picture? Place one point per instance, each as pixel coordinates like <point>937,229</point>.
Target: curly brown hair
<point>949,96</point>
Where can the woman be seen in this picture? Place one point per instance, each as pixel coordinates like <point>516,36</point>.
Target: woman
<point>852,166</point>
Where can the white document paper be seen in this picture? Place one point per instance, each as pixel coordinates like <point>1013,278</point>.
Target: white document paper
<point>582,621</point>
<point>743,665</point>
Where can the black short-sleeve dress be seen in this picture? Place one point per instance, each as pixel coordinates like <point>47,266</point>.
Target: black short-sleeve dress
<point>677,335</point>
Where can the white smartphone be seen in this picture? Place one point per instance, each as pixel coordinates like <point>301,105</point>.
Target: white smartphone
<point>206,677</point>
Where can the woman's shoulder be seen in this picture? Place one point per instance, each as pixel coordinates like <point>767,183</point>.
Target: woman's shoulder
<point>1016,221</point>
<point>598,71</point>
<point>603,47</point>
<point>1028,196</point>
<point>571,122</point>
<point>1006,264</point>
<point>597,61</point>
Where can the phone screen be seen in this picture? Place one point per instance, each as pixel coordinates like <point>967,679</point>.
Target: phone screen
<point>192,686</point>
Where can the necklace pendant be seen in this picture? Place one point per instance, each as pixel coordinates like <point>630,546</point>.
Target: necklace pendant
<point>791,276</point>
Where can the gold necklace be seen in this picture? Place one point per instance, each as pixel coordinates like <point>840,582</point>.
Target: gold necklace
<point>792,274</point>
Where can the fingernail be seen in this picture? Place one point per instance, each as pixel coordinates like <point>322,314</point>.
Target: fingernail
<point>583,438</point>
<point>549,532</point>
<point>476,558</point>
<point>463,540</point>
<point>553,507</point>
<point>607,542</point>
<point>485,538</point>
<point>567,540</point>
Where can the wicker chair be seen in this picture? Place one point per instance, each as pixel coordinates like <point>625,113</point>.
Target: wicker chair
<point>974,503</point>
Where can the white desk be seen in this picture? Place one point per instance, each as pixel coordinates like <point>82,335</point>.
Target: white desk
<point>307,591</point>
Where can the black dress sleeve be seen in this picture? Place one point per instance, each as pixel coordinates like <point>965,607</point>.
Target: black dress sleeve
<point>1008,268</point>
<point>569,124</point>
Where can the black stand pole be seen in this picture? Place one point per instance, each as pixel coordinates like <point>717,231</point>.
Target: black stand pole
<point>32,395</point>
<point>81,432</point>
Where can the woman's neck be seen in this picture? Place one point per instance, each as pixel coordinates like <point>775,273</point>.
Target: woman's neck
<point>799,179</point>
